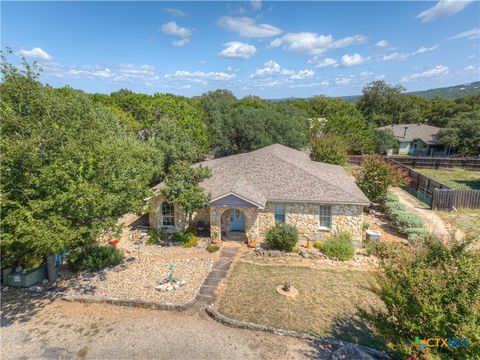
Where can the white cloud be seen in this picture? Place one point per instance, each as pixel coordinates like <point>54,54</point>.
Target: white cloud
<point>272,69</point>
<point>327,62</point>
<point>365,74</point>
<point>303,74</point>
<point>404,56</point>
<point>35,53</point>
<point>124,73</point>
<point>171,28</point>
<point>256,4</point>
<point>247,27</point>
<point>381,44</point>
<point>237,50</point>
<point>344,80</point>
<point>314,44</point>
<point>181,42</point>
<point>174,12</point>
<point>352,60</point>
<point>469,57</point>
<point>199,75</point>
<point>434,72</point>
<point>470,68</point>
<point>471,34</point>
<point>443,8</point>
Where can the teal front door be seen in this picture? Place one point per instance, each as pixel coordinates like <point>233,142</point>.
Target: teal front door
<point>237,220</point>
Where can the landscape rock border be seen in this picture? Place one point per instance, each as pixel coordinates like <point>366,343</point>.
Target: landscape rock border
<point>131,303</point>
<point>217,316</point>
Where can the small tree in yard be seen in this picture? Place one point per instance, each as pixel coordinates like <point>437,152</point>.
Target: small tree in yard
<point>182,187</point>
<point>375,176</point>
<point>331,149</point>
<point>430,290</point>
<point>384,141</point>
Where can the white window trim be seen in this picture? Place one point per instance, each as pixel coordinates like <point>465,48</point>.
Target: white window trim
<point>284,213</point>
<point>161,218</point>
<point>324,228</point>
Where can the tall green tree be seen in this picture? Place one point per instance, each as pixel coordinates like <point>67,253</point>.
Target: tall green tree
<point>463,133</point>
<point>69,168</point>
<point>182,187</point>
<point>384,141</point>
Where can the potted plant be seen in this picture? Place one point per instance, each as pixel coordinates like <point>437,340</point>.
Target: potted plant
<point>215,237</point>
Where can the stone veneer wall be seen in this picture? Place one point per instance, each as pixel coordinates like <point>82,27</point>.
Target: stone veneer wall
<point>305,217</point>
<point>251,221</point>
<point>181,219</point>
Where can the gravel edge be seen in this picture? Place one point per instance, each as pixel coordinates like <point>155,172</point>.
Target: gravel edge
<point>131,303</point>
<point>217,316</point>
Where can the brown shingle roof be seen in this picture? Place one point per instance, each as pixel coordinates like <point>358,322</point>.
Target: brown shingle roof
<point>426,133</point>
<point>279,173</point>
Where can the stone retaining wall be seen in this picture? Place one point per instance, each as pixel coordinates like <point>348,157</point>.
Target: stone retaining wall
<point>376,354</point>
<point>130,303</point>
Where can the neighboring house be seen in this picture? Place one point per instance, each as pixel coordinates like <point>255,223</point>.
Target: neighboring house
<point>251,192</point>
<point>416,139</point>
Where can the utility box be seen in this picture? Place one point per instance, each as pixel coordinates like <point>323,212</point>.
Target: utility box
<point>27,278</point>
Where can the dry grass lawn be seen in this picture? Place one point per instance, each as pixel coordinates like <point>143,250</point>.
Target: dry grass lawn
<point>468,221</point>
<point>327,303</point>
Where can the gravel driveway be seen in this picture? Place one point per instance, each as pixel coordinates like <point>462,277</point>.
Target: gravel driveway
<point>65,330</point>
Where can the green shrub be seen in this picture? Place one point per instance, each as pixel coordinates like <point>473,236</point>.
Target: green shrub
<point>318,244</point>
<point>365,225</point>
<point>445,303</point>
<point>391,198</point>
<point>339,247</point>
<point>375,176</point>
<point>282,237</point>
<point>177,237</point>
<point>95,258</point>
<point>153,238</point>
<point>380,249</point>
<point>392,207</point>
<point>415,234</point>
<point>331,149</point>
<point>403,220</point>
<point>190,240</point>
<point>211,248</point>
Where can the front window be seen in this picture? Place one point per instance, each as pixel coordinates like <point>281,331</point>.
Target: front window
<point>325,216</point>
<point>279,213</point>
<point>167,215</point>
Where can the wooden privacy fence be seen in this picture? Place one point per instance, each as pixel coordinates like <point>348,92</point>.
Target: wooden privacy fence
<point>447,199</point>
<point>420,186</point>
<point>439,162</point>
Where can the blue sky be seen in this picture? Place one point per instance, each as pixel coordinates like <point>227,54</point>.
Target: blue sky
<point>269,49</point>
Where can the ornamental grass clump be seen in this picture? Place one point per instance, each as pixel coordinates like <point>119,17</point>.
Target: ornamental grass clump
<point>282,237</point>
<point>339,247</point>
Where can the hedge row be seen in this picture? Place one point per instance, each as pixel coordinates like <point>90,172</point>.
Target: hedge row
<point>404,222</point>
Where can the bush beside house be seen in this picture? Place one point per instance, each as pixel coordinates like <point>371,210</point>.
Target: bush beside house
<point>282,237</point>
<point>403,221</point>
<point>339,247</point>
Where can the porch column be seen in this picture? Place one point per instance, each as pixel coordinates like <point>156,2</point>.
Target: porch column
<point>216,222</point>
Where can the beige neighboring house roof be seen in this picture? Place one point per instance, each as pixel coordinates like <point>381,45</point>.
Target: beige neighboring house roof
<point>279,173</point>
<point>411,132</point>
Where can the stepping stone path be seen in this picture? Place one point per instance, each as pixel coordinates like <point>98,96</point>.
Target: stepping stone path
<point>206,295</point>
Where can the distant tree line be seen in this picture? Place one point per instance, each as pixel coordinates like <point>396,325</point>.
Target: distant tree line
<point>72,162</point>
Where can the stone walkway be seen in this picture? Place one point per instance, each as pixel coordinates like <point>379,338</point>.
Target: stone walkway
<point>206,294</point>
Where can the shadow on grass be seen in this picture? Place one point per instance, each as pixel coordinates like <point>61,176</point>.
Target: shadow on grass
<point>468,184</point>
<point>355,330</point>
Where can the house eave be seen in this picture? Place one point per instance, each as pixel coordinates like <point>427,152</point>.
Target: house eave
<point>260,206</point>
